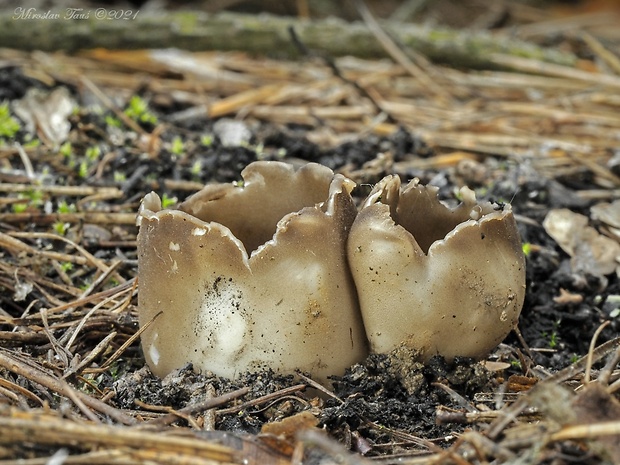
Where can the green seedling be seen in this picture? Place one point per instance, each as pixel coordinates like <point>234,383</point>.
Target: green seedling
<point>35,200</point>
<point>527,249</point>
<point>206,140</point>
<point>66,266</point>
<point>92,153</point>
<point>260,151</point>
<point>137,110</point>
<point>61,228</point>
<point>19,207</point>
<point>114,370</point>
<point>66,150</point>
<point>553,340</point>
<point>113,121</point>
<point>177,146</point>
<point>119,176</point>
<point>64,207</point>
<point>552,337</point>
<point>83,170</point>
<point>167,202</point>
<point>196,168</point>
<point>32,143</point>
<point>8,125</point>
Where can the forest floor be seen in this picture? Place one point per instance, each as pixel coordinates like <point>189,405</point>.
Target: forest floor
<point>86,135</point>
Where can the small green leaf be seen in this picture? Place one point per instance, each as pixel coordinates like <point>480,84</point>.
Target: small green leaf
<point>61,228</point>
<point>83,170</point>
<point>64,207</point>
<point>177,146</point>
<point>137,110</point>
<point>66,150</point>
<point>8,125</point>
<point>92,153</point>
<point>167,202</point>
<point>119,176</point>
<point>19,207</point>
<point>113,121</point>
<point>32,143</point>
<point>196,168</point>
<point>66,266</point>
<point>206,140</point>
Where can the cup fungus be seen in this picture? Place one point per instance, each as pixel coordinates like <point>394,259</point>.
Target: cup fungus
<point>442,281</point>
<point>243,277</point>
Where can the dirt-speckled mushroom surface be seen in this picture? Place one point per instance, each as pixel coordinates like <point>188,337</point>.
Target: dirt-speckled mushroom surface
<point>244,277</point>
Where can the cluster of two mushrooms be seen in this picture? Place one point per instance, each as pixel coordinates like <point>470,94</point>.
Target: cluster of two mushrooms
<point>283,272</point>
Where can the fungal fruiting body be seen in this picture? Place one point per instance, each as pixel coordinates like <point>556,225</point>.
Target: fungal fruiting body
<point>443,281</point>
<point>282,272</point>
<point>245,277</point>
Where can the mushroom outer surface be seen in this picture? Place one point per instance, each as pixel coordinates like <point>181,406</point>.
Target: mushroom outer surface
<point>455,287</point>
<point>289,304</point>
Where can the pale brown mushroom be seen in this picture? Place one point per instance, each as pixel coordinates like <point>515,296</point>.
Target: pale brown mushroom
<point>442,281</point>
<point>245,277</point>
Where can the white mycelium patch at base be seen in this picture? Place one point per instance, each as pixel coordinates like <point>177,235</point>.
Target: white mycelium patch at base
<point>221,324</point>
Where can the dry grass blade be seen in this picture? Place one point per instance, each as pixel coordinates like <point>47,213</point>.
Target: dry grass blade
<point>591,431</point>
<point>317,439</point>
<point>91,259</point>
<point>5,383</point>
<point>590,356</point>
<point>37,375</point>
<point>93,354</point>
<point>16,246</point>
<point>263,399</point>
<point>44,219</point>
<point>81,191</point>
<point>398,55</point>
<point>206,405</point>
<point>241,100</point>
<point>539,67</point>
<point>24,427</point>
<point>612,60</point>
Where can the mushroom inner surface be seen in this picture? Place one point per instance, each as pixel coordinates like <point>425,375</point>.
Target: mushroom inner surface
<point>419,210</point>
<point>252,212</point>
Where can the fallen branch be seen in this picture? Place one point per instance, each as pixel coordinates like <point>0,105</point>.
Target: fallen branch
<point>264,34</point>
